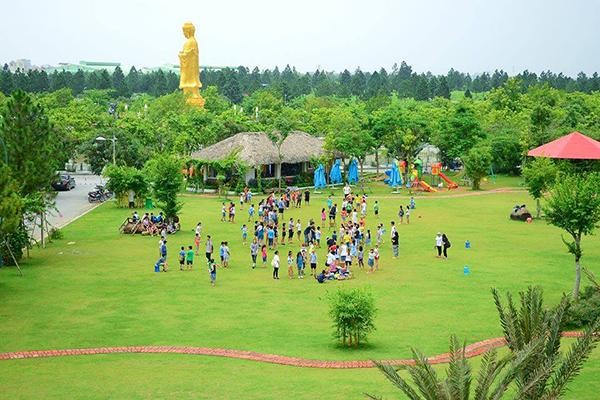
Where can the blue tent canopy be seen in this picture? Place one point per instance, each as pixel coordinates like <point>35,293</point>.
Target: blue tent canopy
<point>353,171</point>
<point>335,175</point>
<point>319,177</point>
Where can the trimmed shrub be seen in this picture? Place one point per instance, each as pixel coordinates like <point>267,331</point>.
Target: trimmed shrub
<point>352,312</point>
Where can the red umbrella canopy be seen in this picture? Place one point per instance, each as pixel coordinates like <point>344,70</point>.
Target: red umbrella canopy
<point>572,146</point>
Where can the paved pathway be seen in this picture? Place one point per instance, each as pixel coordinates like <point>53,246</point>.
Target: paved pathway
<point>471,350</point>
<point>449,194</point>
<point>74,203</point>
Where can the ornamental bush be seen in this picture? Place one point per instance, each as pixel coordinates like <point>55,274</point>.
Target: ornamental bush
<point>352,312</point>
<point>123,179</point>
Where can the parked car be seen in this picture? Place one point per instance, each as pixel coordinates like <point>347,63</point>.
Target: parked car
<point>66,182</point>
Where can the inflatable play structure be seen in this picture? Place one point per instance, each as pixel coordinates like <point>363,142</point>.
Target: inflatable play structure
<point>520,213</point>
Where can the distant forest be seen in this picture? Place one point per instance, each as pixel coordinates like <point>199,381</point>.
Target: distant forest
<point>234,83</point>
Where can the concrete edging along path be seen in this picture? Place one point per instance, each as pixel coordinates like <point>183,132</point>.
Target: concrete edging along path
<point>471,350</point>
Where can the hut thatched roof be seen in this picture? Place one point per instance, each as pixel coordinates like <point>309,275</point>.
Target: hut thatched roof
<point>255,148</point>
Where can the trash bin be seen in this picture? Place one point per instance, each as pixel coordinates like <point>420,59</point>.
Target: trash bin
<point>148,204</point>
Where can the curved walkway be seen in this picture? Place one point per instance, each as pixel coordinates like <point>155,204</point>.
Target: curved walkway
<point>471,350</point>
<point>451,195</point>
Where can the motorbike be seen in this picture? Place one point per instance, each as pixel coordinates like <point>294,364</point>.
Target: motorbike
<point>99,195</point>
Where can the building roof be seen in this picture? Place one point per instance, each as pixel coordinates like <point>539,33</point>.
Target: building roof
<point>575,146</point>
<point>255,148</point>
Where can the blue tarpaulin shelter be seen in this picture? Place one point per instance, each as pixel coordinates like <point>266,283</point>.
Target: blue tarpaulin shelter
<point>319,177</point>
<point>353,171</point>
<point>335,175</point>
<point>395,178</point>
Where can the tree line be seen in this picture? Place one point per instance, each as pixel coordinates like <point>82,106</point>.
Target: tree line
<point>235,83</point>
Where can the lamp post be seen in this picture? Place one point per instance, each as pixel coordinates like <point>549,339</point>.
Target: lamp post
<point>101,139</point>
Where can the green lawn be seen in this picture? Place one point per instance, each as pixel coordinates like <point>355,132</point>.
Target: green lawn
<point>102,291</point>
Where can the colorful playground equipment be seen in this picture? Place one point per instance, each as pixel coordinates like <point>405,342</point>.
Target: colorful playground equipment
<point>414,179</point>
<point>436,170</point>
<point>417,182</point>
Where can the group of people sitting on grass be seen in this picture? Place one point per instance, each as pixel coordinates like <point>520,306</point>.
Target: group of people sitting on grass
<point>155,224</point>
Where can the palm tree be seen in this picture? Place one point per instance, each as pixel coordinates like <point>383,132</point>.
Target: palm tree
<point>547,373</point>
<point>495,375</point>
<point>535,363</point>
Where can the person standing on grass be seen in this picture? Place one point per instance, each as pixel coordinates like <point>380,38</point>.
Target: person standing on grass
<point>254,252</point>
<point>446,244</point>
<point>226,254</point>
<point>361,256</point>
<point>371,260</point>
<point>323,216</point>
<point>376,209</point>
<point>347,189</point>
<point>212,271</point>
<point>439,242</point>
<point>223,212</point>
<point>251,212</point>
<point>291,231</point>
<point>318,237</point>
<point>283,233</point>
<point>290,263</point>
<point>163,256</point>
<point>197,244</point>
<point>232,213</point>
<point>332,213</point>
<point>376,255</point>
<point>300,264</point>
<point>313,262</point>
<point>299,230</point>
<point>160,243</point>
<point>189,258</point>
<point>275,265</point>
<point>244,234</point>
<point>395,243</point>
<point>263,253</point>
<point>271,237</point>
<point>209,248</point>
<point>182,258</point>
<point>401,214</point>
<point>199,230</point>
<point>407,214</point>
<point>329,202</point>
<point>222,253</point>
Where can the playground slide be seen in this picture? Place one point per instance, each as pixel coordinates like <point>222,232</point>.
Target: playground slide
<point>426,187</point>
<point>451,184</point>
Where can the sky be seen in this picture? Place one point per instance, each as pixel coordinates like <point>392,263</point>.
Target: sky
<point>431,35</point>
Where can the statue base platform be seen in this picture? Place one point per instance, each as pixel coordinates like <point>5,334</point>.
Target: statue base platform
<point>196,101</point>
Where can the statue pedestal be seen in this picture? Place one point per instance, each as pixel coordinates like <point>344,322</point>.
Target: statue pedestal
<point>196,101</point>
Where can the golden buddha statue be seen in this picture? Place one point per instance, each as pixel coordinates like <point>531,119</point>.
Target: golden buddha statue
<point>189,68</point>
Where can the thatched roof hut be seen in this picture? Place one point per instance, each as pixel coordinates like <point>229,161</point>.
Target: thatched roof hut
<point>255,148</point>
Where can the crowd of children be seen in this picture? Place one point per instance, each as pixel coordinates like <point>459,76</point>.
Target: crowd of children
<point>349,243</point>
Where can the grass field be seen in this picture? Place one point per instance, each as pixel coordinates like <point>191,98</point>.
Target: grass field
<point>101,291</point>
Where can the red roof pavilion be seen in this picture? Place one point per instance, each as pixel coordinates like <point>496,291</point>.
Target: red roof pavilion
<point>574,146</point>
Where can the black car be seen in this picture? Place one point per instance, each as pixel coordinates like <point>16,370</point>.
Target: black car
<point>66,182</point>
